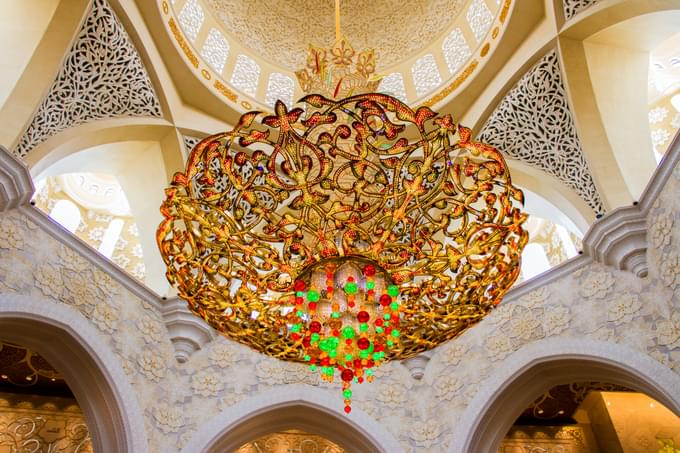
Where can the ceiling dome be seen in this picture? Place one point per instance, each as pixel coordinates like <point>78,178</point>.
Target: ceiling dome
<point>280,31</point>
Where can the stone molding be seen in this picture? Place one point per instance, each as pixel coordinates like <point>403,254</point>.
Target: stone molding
<point>619,239</point>
<point>188,332</point>
<point>16,184</point>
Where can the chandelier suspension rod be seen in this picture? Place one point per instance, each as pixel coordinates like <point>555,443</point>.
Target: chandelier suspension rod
<point>338,33</point>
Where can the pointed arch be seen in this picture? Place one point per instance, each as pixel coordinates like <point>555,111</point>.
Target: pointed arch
<point>541,365</point>
<point>297,406</point>
<point>75,348</point>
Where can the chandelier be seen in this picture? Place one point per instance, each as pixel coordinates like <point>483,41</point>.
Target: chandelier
<point>343,232</point>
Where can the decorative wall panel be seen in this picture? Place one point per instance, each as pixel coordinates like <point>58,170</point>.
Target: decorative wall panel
<point>215,50</point>
<point>279,86</point>
<point>456,50</point>
<point>573,7</point>
<point>533,124</point>
<point>393,84</point>
<point>190,142</point>
<point>426,75</point>
<point>191,18</point>
<point>42,425</point>
<point>480,18</point>
<point>102,77</point>
<point>246,75</point>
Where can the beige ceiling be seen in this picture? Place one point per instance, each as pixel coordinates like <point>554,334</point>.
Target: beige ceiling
<point>280,30</point>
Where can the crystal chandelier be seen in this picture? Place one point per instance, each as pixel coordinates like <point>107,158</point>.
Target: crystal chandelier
<point>342,235</point>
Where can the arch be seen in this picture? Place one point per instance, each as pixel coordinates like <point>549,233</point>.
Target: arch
<point>75,347</point>
<point>298,406</point>
<point>534,369</point>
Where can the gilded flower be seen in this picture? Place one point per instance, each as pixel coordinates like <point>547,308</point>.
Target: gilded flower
<point>621,309</point>
<point>342,53</point>
<point>105,317</point>
<point>392,395</point>
<point>169,419</point>
<point>670,270</point>
<point>597,285</point>
<point>10,235</point>
<point>151,331</point>
<point>660,230</point>
<point>151,365</point>
<point>446,387</point>
<point>366,62</point>
<point>207,383</point>
<point>48,278</point>
<point>425,434</point>
<point>222,355</point>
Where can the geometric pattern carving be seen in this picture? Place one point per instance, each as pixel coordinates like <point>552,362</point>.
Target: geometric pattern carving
<point>191,19</point>
<point>456,50</point>
<point>102,77</point>
<point>573,7</point>
<point>279,86</point>
<point>426,75</point>
<point>215,50</point>
<point>246,75</point>
<point>393,84</point>
<point>480,18</point>
<point>533,124</point>
<point>190,142</point>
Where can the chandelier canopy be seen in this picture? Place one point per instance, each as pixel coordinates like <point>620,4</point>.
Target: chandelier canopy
<point>343,232</point>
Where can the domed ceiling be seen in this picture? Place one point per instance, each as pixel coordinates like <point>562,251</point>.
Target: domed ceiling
<point>281,30</point>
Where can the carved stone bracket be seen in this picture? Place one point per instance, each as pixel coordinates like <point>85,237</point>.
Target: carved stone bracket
<point>16,185</point>
<point>188,333</point>
<point>619,239</point>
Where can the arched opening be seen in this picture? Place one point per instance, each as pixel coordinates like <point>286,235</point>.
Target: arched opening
<point>539,367</point>
<point>94,207</point>
<point>71,345</point>
<point>594,417</point>
<point>37,408</point>
<point>301,408</point>
<point>290,440</point>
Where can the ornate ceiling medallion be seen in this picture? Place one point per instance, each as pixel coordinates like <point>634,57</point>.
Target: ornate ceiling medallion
<point>343,233</point>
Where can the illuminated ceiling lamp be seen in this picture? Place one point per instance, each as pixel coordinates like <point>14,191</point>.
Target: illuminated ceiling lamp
<point>347,233</point>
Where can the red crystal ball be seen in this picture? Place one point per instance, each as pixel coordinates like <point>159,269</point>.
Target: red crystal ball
<point>315,326</point>
<point>299,285</point>
<point>385,300</point>
<point>363,316</point>
<point>363,343</point>
<point>369,270</point>
<point>347,375</point>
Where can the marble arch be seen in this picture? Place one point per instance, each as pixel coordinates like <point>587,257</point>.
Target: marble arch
<point>541,365</point>
<point>297,406</point>
<point>74,347</point>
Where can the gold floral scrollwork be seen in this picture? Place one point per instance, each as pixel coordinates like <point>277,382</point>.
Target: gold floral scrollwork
<point>363,177</point>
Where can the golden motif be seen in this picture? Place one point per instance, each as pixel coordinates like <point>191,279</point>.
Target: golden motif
<point>361,178</point>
